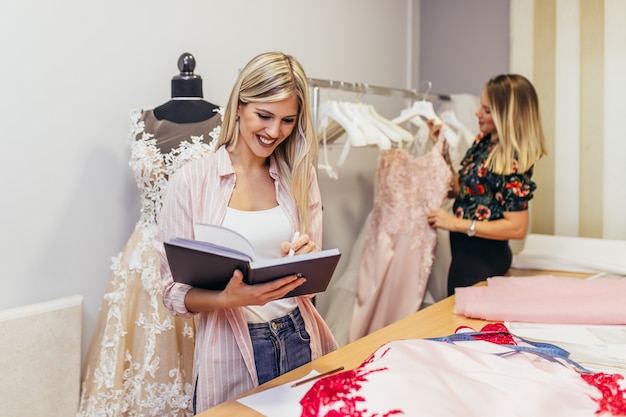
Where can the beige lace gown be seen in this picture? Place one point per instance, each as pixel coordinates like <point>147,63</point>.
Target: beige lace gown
<point>140,359</point>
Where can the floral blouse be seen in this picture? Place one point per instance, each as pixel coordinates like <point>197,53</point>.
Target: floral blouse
<point>485,195</point>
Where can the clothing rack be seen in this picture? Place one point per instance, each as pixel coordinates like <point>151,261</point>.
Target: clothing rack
<point>359,87</point>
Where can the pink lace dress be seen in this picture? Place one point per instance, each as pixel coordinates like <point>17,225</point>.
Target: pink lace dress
<point>399,247</point>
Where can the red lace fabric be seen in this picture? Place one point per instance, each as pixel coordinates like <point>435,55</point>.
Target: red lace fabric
<point>613,399</point>
<point>342,387</point>
<point>494,333</point>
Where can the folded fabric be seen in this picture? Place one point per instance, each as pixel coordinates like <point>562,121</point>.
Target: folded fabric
<point>545,299</point>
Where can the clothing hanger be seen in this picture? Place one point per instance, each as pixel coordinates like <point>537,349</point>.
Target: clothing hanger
<point>331,109</point>
<point>394,132</point>
<point>374,136</point>
<point>325,166</point>
<point>356,135</point>
<point>422,109</point>
<point>363,125</point>
<point>391,133</point>
<point>324,124</point>
<point>353,110</point>
<point>452,127</point>
<point>410,115</point>
<point>356,121</point>
<point>449,117</point>
<point>377,122</point>
<point>333,131</point>
<point>330,127</point>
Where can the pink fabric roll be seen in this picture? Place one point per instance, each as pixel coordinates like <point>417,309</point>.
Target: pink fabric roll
<point>545,299</point>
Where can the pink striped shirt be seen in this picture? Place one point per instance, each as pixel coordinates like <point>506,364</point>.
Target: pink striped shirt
<point>224,359</point>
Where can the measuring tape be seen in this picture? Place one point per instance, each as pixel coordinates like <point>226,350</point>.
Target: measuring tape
<point>545,350</point>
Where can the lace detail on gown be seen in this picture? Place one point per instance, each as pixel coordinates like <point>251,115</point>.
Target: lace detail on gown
<point>141,357</point>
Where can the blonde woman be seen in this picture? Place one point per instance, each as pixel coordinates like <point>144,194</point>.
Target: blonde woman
<point>494,184</point>
<point>262,183</point>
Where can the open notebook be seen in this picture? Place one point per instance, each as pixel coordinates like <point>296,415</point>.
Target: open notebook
<point>209,261</point>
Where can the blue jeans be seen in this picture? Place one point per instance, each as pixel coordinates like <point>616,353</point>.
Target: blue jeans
<point>280,345</point>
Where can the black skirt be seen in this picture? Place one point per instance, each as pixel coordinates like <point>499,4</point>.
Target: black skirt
<point>475,259</point>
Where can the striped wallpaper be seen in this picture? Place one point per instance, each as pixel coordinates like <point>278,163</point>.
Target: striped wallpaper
<point>573,51</point>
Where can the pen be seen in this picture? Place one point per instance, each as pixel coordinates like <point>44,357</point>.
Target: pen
<point>313,378</point>
<point>295,237</point>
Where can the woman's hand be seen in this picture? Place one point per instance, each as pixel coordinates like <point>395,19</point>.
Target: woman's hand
<point>454,188</point>
<point>239,294</point>
<point>434,129</point>
<point>303,244</point>
<point>514,224</point>
<point>441,219</point>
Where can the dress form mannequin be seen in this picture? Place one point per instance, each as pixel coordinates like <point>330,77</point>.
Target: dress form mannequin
<point>187,105</point>
<point>140,360</point>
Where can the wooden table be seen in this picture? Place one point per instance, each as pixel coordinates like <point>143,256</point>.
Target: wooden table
<point>433,321</point>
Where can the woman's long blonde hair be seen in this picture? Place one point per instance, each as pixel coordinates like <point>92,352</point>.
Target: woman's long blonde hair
<point>269,77</point>
<point>515,112</point>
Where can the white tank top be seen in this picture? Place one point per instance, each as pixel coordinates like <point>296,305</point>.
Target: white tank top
<point>265,229</point>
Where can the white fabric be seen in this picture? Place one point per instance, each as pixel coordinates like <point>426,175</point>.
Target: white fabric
<point>575,254</point>
<point>599,348</point>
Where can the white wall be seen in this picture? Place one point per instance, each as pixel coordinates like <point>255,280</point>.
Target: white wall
<point>72,70</point>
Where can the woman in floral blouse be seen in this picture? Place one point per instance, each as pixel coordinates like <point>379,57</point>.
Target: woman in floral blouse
<point>494,184</point>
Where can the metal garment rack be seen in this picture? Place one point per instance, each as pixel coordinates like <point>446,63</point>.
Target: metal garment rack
<point>358,87</point>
